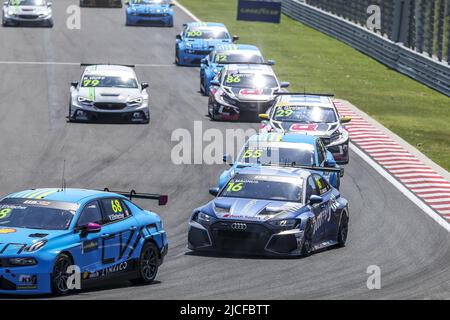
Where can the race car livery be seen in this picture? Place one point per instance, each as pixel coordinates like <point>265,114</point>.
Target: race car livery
<point>109,92</point>
<point>227,54</point>
<point>198,39</point>
<point>149,12</point>
<point>101,3</point>
<point>27,12</point>
<point>242,91</point>
<point>285,149</point>
<point>311,114</point>
<point>51,236</point>
<point>271,211</point>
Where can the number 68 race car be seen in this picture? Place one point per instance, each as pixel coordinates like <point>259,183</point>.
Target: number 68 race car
<point>268,210</point>
<point>53,239</point>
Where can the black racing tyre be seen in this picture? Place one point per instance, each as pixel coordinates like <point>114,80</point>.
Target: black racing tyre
<point>307,243</point>
<point>148,264</point>
<point>343,231</point>
<point>177,61</point>
<point>59,277</point>
<point>202,91</point>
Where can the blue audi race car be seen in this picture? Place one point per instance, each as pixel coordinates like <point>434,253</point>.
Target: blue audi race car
<point>149,12</point>
<point>52,240</point>
<point>227,54</point>
<point>198,39</point>
<point>285,149</point>
<point>281,211</point>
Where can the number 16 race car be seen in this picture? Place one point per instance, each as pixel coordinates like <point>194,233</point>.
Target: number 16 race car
<point>48,237</point>
<point>271,211</point>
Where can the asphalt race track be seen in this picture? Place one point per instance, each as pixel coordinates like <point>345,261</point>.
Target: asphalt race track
<point>386,229</point>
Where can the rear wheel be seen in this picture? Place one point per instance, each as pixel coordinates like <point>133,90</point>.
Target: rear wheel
<point>59,278</point>
<point>148,264</point>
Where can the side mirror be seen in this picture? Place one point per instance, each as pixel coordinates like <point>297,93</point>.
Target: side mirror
<point>91,227</point>
<point>5,3</point>
<point>49,4</point>
<point>285,84</point>
<point>178,36</point>
<point>163,200</point>
<point>74,84</point>
<point>171,4</point>
<point>315,199</point>
<point>144,85</point>
<point>235,38</point>
<point>204,61</point>
<point>345,119</point>
<point>214,191</point>
<point>271,62</point>
<point>226,158</point>
<point>263,116</point>
<point>330,163</point>
<point>215,83</point>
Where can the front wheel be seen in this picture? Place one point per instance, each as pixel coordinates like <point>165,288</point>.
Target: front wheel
<point>60,276</point>
<point>343,231</point>
<point>148,264</point>
<point>307,245</point>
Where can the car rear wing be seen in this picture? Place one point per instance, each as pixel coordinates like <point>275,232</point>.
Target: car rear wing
<point>304,94</point>
<point>312,168</point>
<point>162,199</point>
<point>107,64</point>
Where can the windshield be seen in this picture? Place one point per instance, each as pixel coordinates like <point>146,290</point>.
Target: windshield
<point>305,114</point>
<point>207,33</point>
<point>264,188</point>
<point>238,57</point>
<point>281,153</point>
<point>250,80</point>
<point>109,82</point>
<point>36,214</point>
<point>27,2</point>
<point>150,2</point>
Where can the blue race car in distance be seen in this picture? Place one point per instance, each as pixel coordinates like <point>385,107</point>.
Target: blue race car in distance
<point>101,235</point>
<point>285,149</point>
<point>227,54</point>
<point>198,39</point>
<point>271,211</point>
<point>149,12</point>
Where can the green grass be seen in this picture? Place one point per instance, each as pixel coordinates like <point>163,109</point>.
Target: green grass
<point>309,59</point>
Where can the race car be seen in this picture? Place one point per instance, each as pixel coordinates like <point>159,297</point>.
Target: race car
<point>312,114</point>
<point>198,39</point>
<point>27,12</point>
<point>242,91</point>
<point>109,92</point>
<point>149,12</point>
<point>278,148</point>
<point>271,211</point>
<point>101,3</point>
<point>59,240</point>
<point>227,54</point>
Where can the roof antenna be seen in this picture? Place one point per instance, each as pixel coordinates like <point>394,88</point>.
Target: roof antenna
<point>63,181</point>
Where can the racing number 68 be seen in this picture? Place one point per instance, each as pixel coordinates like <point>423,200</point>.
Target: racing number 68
<point>115,205</point>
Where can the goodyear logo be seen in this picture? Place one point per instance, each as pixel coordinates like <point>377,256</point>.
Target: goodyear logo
<point>265,11</point>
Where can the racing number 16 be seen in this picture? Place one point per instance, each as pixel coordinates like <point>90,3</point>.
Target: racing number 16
<point>235,187</point>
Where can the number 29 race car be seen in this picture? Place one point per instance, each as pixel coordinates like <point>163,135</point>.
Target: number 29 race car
<point>49,235</point>
<point>271,211</point>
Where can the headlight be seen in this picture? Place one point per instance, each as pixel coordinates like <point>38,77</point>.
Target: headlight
<point>136,101</point>
<point>36,246</point>
<point>286,223</point>
<point>84,100</point>
<point>22,261</point>
<point>221,210</point>
<point>204,218</point>
<point>338,137</point>
<point>11,13</point>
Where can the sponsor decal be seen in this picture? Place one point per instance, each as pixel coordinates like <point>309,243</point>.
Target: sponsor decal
<point>265,11</point>
<point>120,267</point>
<point>114,217</point>
<point>28,279</point>
<point>90,245</point>
<point>7,230</point>
<point>304,127</point>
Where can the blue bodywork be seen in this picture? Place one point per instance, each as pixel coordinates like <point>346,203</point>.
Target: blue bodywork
<point>97,257</point>
<point>149,12</point>
<point>270,227</point>
<point>190,50</point>
<point>210,66</point>
<point>332,177</point>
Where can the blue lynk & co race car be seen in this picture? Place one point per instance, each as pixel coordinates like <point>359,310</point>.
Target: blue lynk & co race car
<point>149,12</point>
<point>271,211</point>
<point>49,236</point>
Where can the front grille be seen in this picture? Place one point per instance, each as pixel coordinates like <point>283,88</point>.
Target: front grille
<point>110,106</point>
<point>27,16</point>
<point>152,15</point>
<point>326,141</point>
<point>201,52</point>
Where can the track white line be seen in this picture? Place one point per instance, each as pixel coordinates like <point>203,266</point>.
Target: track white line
<point>56,63</point>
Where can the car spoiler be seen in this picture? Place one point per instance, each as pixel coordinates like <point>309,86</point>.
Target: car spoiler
<point>107,64</point>
<point>312,168</point>
<point>304,94</point>
<point>162,199</point>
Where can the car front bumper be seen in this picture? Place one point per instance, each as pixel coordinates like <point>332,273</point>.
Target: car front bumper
<point>80,112</point>
<point>230,112</point>
<point>149,20</point>
<point>20,19</point>
<point>257,239</point>
<point>192,58</point>
<point>340,152</point>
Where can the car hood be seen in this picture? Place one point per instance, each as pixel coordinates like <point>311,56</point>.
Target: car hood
<point>253,210</point>
<point>14,240</point>
<point>29,9</point>
<point>317,129</point>
<point>110,94</point>
<point>204,44</point>
<point>150,8</point>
